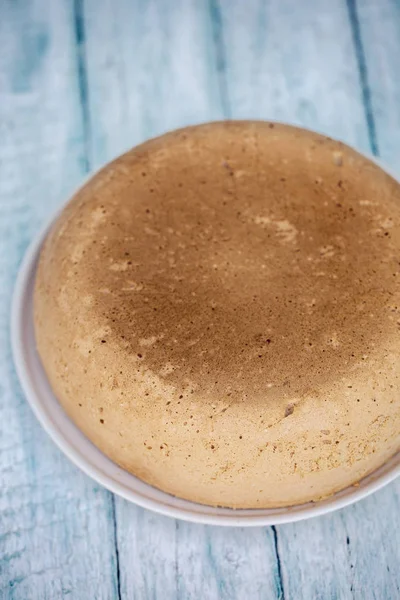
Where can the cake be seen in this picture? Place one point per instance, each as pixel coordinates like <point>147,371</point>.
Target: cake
<point>218,310</point>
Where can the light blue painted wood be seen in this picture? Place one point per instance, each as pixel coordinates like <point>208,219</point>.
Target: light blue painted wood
<point>354,553</point>
<point>274,60</point>
<point>224,563</point>
<point>56,533</point>
<point>294,62</point>
<point>303,67</point>
<point>147,546</point>
<point>176,44</point>
<point>151,68</point>
<point>168,559</point>
<point>379,24</point>
<point>141,68</point>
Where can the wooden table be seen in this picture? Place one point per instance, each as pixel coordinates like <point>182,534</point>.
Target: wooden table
<point>79,83</point>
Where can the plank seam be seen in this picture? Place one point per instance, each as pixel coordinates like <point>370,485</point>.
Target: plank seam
<point>363,74</point>
<point>115,528</point>
<point>281,590</point>
<point>80,39</point>
<point>220,55</point>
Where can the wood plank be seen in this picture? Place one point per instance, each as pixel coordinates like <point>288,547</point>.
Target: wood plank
<point>353,553</point>
<point>150,69</point>
<point>234,563</point>
<point>297,62</point>
<point>294,62</point>
<point>56,530</point>
<point>379,24</point>
<point>294,69</point>
<point>171,559</point>
<point>161,558</point>
<point>147,546</point>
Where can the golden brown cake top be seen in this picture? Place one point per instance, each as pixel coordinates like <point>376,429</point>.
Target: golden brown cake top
<point>247,260</point>
<point>218,311</point>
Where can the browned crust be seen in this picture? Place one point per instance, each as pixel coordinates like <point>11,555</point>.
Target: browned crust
<point>218,311</point>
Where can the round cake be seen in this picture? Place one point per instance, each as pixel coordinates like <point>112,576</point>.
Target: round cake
<point>218,310</point>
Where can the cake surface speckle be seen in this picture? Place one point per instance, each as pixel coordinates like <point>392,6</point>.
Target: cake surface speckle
<point>219,311</point>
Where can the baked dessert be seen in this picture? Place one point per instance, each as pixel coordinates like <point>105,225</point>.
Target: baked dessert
<point>218,310</point>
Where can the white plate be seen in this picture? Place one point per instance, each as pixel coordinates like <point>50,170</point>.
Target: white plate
<point>95,464</point>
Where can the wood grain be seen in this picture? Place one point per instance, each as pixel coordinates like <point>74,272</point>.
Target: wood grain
<point>350,554</point>
<point>294,62</point>
<point>151,68</point>
<point>313,81</point>
<point>56,530</point>
<point>177,45</point>
<point>379,25</point>
<point>81,82</point>
<point>304,67</point>
<point>168,559</point>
